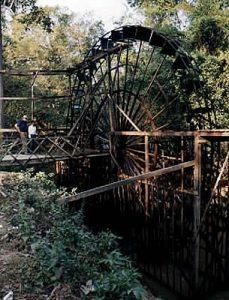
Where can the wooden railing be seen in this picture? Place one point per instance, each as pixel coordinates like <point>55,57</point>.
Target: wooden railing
<point>43,149</point>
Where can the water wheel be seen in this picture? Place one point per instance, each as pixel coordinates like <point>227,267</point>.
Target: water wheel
<point>133,79</point>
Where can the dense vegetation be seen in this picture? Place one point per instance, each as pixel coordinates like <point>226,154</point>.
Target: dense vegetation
<point>52,38</point>
<point>203,27</point>
<point>29,45</point>
<point>62,249</point>
<point>59,246</point>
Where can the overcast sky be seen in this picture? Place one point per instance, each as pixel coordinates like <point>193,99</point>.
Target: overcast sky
<point>108,11</point>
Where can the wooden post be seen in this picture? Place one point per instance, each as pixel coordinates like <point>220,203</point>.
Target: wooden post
<point>196,208</point>
<point>112,138</point>
<point>146,140</point>
<point>1,79</point>
<point>182,187</point>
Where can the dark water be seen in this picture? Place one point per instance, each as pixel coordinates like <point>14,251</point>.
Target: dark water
<point>102,213</point>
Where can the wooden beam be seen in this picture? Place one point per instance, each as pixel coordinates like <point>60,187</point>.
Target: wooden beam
<point>128,118</point>
<point>216,133</point>
<point>156,133</point>
<point>37,72</point>
<point>170,133</point>
<point>196,210</point>
<point>37,98</point>
<point>113,185</point>
<point>7,130</point>
<point>146,140</point>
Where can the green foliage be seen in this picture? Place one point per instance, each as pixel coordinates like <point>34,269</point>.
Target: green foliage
<point>209,30</point>
<point>209,35</point>
<point>64,249</point>
<point>118,280</point>
<point>203,25</point>
<point>37,16</point>
<point>64,46</point>
<point>33,13</point>
<point>216,73</point>
<point>163,14</point>
<point>209,40</point>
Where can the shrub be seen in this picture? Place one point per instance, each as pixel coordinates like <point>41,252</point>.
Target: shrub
<point>64,249</point>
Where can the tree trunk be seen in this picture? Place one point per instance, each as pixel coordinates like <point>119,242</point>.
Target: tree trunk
<point>1,81</point>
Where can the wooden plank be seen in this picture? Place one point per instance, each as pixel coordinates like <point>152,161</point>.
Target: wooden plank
<point>128,118</point>
<point>196,210</point>
<point>170,133</point>
<point>146,139</point>
<point>17,161</point>
<point>31,159</point>
<point>156,133</point>
<point>37,98</point>
<point>37,72</point>
<point>214,134</point>
<point>6,130</point>
<point>9,157</point>
<point>113,185</point>
<point>166,133</point>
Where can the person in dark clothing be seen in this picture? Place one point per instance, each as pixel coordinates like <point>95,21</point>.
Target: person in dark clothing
<point>22,128</point>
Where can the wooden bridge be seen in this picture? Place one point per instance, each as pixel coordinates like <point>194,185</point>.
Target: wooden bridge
<point>149,153</point>
<point>40,150</point>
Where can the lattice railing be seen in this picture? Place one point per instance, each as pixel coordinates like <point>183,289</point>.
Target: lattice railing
<point>42,149</point>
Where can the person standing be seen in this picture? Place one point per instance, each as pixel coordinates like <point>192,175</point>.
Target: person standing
<point>22,128</point>
<point>32,133</point>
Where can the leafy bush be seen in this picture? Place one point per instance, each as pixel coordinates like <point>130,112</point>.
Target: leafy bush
<point>64,249</point>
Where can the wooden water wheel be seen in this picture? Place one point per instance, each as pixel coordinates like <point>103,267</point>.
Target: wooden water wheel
<point>134,79</point>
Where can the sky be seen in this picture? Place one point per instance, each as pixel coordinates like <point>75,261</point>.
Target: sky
<point>108,11</point>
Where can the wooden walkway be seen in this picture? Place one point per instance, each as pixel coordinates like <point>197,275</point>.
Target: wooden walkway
<point>30,159</point>
<point>55,148</point>
<point>42,150</point>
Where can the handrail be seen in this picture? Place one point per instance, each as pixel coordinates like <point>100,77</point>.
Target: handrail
<point>113,185</point>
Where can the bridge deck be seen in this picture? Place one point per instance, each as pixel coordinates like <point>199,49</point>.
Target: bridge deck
<point>16,159</point>
<point>32,159</point>
<point>51,148</point>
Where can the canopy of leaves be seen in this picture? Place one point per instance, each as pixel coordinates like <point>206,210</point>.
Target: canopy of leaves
<point>32,13</point>
<point>203,25</point>
<point>209,40</point>
<point>33,48</point>
<point>163,14</point>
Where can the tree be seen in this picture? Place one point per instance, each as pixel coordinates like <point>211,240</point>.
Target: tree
<point>34,15</point>
<point>34,48</point>
<point>165,15</point>
<point>206,36</point>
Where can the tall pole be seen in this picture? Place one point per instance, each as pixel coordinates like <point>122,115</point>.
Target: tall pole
<point>196,210</point>
<point>1,67</point>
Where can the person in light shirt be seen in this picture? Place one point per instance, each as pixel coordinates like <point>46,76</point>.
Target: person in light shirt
<point>32,134</point>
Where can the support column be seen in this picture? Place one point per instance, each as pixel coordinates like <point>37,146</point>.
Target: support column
<point>182,188</point>
<point>196,208</point>
<point>1,67</point>
<point>146,141</point>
